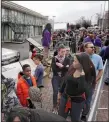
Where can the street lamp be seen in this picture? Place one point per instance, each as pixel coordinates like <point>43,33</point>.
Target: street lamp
<point>53,21</point>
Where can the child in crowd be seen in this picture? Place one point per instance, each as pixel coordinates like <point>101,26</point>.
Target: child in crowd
<point>25,81</point>
<point>34,52</point>
<point>39,72</point>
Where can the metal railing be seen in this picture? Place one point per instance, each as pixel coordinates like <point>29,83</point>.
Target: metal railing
<point>94,107</point>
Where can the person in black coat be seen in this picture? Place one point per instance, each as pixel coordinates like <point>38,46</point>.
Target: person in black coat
<point>60,64</point>
<point>22,114</point>
<point>76,86</point>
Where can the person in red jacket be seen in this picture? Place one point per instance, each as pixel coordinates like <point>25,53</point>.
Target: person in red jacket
<point>25,81</point>
<point>34,53</point>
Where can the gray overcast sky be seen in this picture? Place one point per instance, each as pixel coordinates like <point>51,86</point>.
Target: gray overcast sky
<point>66,11</point>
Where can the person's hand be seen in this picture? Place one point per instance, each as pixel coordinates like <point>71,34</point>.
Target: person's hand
<point>59,64</point>
<point>67,66</point>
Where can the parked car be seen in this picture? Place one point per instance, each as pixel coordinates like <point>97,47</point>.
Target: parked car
<point>9,56</point>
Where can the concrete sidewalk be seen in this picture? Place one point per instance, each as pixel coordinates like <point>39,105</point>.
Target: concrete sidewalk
<point>103,108</point>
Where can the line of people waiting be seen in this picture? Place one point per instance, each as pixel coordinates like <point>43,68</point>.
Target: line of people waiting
<point>78,85</point>
<point>73,82</point>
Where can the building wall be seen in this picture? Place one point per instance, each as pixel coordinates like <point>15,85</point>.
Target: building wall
<point>106,23</point>
<point>28,24</point>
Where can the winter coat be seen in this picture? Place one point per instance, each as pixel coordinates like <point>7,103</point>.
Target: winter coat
<point>23,90</point>
<point>46,39</point>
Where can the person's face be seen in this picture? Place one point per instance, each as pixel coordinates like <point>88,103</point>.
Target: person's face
<point>36,61</point>
<point>58,37</point>
<point>27,71</point>
<point>76,63</point>
<point>62,52</point>
<point>90,49</point>
<point>16,119</point>
<point>67,51</point>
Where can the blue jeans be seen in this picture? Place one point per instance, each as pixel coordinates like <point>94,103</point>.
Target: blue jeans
<point>56,82</point>
<point>76,109</point>
<point>87,104</point>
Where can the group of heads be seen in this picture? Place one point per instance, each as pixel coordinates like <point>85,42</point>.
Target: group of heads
<point>26,67</point>
<point>92,35</point>
<point>81,60</point>
<point>89,50</point>
<point>62,51</point>
<point>88,47</point>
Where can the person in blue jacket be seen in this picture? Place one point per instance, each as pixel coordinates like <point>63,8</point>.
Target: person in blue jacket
<point>39,71</point>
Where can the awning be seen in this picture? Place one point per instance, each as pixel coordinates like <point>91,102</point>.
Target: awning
<point>36,44</point>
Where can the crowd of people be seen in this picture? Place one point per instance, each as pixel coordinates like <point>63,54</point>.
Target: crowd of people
<point>74,78</point>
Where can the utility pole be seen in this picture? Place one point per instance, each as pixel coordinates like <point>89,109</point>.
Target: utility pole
<point>108,16</point>
<point>103,15</point>
<point>100,19</point>
<point>101,11</point>
<point>53,22</point>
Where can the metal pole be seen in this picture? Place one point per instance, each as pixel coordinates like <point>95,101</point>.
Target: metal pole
<point>108,16</point>
<point>53,22</point>
<point>100,17</point>
<point>103,15</point>
<point>101,11</point>
<point>92,113</point>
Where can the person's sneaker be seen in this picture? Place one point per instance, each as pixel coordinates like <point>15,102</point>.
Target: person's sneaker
<point>84,118</point>
<point>55,111</point>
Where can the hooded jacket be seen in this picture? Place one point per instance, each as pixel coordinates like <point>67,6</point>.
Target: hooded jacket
<point>23,90</point>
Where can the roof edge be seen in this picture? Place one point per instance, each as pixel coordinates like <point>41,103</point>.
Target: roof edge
<point>21,8</point>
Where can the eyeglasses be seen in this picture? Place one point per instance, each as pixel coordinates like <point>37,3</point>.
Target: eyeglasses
<point>91,47</point>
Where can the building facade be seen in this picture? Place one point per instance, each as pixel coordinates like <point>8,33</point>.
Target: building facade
<point>104,22</point>
<point>19,23</point>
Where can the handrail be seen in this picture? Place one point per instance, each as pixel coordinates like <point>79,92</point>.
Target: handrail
<point>94,107</point>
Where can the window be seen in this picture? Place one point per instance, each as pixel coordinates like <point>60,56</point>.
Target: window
<point>3,12</point>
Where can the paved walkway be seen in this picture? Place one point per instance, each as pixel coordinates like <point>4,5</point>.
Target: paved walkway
<point>47,95</point>
<point>103,108</point>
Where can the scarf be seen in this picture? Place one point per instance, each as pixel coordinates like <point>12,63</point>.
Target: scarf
<point>61,59</point>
